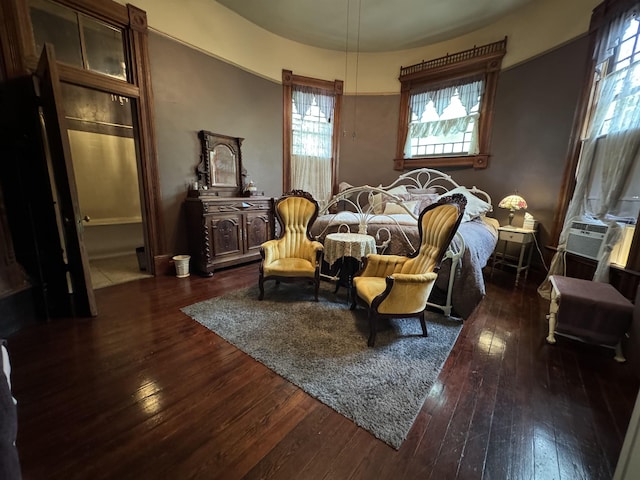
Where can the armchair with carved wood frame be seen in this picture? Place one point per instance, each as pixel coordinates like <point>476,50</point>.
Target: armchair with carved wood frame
<point>395,286</point>
<point>295,256</point>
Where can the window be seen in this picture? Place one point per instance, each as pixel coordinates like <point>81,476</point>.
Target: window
<point>311,126</point>
<point>446,108</point>
<point>444,121</point>
<point>612,134</point>
<point>79,40</point>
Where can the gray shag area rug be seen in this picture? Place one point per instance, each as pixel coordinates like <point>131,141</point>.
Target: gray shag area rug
<point>322,348</point>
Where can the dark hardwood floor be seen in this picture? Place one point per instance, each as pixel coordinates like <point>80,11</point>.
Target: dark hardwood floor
<point>143,391</point>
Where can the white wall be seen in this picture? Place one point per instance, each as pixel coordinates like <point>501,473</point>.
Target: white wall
<point>105,241</point>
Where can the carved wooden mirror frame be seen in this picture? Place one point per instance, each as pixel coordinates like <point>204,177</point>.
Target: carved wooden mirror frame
<point>220,169</point>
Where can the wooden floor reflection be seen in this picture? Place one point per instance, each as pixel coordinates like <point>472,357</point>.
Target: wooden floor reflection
<point>142,391</point>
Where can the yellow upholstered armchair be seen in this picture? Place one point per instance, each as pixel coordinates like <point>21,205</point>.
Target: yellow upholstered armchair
<point>398,286</point>
<point>295,255</point>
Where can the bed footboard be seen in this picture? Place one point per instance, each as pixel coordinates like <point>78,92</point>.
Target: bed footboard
<point>454,252</point>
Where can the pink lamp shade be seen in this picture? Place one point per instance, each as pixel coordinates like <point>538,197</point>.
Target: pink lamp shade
<point>513,202</point>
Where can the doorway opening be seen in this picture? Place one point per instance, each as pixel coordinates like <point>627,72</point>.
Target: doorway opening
<point>105,161</point>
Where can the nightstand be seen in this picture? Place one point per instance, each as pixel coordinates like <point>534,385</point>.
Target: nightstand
<point>520,236</point>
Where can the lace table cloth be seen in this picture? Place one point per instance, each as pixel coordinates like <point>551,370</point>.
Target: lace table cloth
<point>339,245</point>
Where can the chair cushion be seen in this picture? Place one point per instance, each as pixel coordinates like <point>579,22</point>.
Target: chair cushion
<point>409,294</point>
<point>290,267</point>
<point>369,288</point>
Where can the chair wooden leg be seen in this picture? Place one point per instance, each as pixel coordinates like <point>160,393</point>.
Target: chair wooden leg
<point>423,323</point>
<point>316,287</point>
<point>372,328</point>
<point>261,287</point>
<point>354,298</point>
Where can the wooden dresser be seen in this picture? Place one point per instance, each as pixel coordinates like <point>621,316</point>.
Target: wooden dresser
<point>225,231</point>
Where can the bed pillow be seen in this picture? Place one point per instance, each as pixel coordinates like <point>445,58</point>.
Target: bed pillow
<point>422,191</point>
<point>475,206</point>
<point>379,199</point>
<point>395,208</point>
<point>423,199</point>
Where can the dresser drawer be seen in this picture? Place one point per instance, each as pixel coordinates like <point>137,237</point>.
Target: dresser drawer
<point>256,206</point>
<point>235,207</point>
<point>516,237</point>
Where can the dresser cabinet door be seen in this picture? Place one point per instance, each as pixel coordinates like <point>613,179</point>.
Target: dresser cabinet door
<point>257,229</point>
<point>226,235</point>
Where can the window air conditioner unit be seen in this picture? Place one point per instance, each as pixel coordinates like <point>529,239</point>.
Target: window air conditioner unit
<point>586,238</point>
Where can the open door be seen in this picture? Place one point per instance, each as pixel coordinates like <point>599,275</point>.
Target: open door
<point>63,186</point>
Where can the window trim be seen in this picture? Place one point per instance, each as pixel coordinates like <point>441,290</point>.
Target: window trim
<point>484,61</point>
<point>333,88</point>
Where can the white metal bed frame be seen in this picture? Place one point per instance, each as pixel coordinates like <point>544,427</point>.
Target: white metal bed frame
<point>360,201</point>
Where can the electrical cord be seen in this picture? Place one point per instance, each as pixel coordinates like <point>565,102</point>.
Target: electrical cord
<point>535,240</point>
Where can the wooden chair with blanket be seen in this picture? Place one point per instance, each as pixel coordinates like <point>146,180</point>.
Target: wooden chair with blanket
<point>295,256</point>
<point>394,286</point>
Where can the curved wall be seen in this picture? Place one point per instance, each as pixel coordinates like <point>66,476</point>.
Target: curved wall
<point>208,26</point>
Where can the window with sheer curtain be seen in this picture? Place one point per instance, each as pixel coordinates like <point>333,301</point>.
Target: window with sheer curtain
<point>610,158</point>
<point>444,121</point>
<point>614,180</point>
<point>607,187</point>
<point>311,147</point>
<point>311,126</point>
<point>446,109</point>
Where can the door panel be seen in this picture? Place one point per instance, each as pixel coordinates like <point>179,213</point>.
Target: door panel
<point>61,167</point>
<point>226,233</point>
<point>102,137</point>
<point>257,230</point>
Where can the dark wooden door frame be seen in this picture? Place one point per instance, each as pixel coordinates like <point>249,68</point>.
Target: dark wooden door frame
<point>19,58</point>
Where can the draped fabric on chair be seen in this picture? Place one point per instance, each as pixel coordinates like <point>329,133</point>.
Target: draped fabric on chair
<point>294,256</point>
<point>398,286</point>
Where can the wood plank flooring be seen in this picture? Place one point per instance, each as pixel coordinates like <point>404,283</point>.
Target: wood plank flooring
<point>142,391</point>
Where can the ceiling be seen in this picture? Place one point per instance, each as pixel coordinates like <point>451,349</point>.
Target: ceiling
<point>371,25</point>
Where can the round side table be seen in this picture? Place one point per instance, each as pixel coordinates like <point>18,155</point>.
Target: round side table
<point>348,249</point>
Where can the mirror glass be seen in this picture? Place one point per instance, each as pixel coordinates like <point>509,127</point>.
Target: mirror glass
<point>223,166</point>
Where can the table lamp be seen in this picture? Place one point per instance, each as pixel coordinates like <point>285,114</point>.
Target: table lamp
<point>513,202</point>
